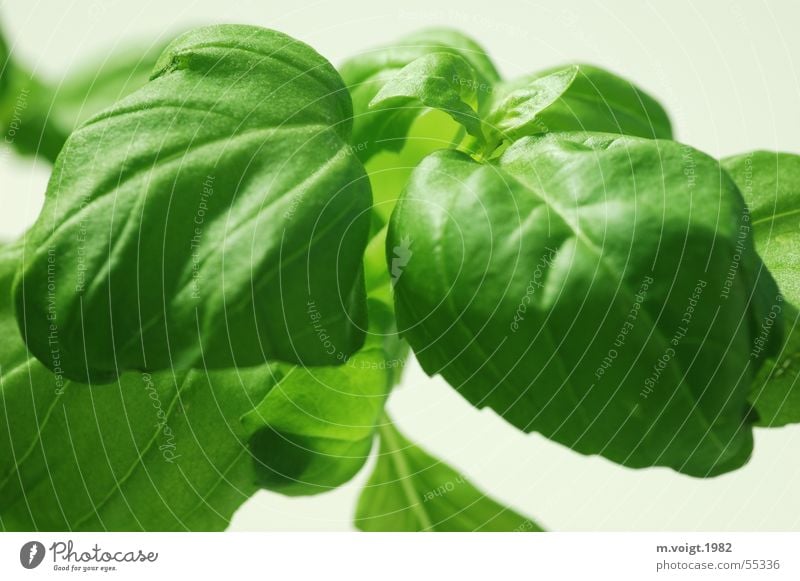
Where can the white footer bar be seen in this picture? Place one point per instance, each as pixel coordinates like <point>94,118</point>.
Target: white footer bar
<point>388,557</point>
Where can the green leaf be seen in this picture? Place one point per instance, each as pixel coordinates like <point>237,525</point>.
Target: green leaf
<point>215,218</point>
<point>770,184</point>
<point>314,431</point>
<point>150,452</point>
<point>573,98</point>
<point>580,287</point>
<point>411,491</point>
<point>440,81</point>
<point>4,65</point>
<point>25,119</point>
<point>377,129</point>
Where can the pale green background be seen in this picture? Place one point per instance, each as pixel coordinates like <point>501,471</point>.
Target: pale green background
<point>727,72</point>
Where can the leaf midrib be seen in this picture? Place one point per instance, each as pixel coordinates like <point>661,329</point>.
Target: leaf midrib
<point>776,217</point>
<point>405,475</point>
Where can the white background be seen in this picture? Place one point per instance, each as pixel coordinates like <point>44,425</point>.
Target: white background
<point>726,70</point>
<point>357,557</point>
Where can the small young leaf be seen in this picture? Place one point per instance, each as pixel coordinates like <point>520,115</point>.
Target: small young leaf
<point>411,491</point>
<point>580,287</point>
<point>573,98</point>
<point>368,73</point>
<point>770,184</point>
<point>440,81</point>
<point>214,217</point>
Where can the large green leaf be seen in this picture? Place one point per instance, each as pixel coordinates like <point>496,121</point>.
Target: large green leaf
<point>214,217</point>
<point>411,491</point>
<point>573,98</point>
<point>314,430</point>
<point>150,452</point>
<point>770,183</point>
<point>73,457</point>
<point>580,287</point>
<point>378,129</point>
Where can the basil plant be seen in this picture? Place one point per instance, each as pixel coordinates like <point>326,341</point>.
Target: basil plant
<point>242,247</point>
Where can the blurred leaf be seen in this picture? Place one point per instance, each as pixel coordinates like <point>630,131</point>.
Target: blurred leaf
<point>442,81</point>
<point>409,490</point>
<point>573,98</point>
<point>41,114</point>
<point>367,74</point>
